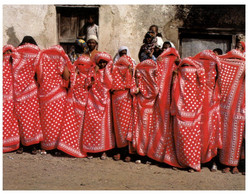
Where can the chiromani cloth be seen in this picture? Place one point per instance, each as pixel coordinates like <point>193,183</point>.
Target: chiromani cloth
<point>186,107</point>
<point>232,86</point>
<point>122,99</point>
<point>11,137</point>
<point>211,118</point>
<point>144,117</point>
<point>98,133</point>
<point>71,136</point>
<point>161,145</point>
<point>50,65</point>
<point>25,94</point>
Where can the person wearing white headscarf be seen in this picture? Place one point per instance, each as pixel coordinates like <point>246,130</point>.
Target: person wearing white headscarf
<point>159,42</point>
<point>123,50</point>
<point>167,44</point>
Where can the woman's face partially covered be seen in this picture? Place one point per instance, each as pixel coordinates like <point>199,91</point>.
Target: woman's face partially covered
<point>102,64</point>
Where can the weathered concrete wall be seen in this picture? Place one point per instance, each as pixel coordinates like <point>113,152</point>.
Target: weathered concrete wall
<point>127,25</point>
<point>120,24</point>
<point>38,21</point>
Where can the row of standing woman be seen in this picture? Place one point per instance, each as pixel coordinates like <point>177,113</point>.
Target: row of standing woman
<point>180,114</point>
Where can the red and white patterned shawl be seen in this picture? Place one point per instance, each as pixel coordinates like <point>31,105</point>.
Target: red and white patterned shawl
<point>50,65</point>
<point>98,133</point>
<point>232,86</point>
<point>71,139</point>
<point>24,71</point>
<point>188,95</point>
<point>144,106</point>
<point>211,118</point>
<point>161,147</point>
<point>83,69</point>
<point>11,137</point>
<point>122,99</point>
<point>7,74</point>
<point>26,96</point>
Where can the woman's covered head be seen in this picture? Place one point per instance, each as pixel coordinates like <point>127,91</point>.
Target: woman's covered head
<point>240,45</point>
<point>101,59</point>
<point>83,63</point>
<point>80,46</point>
<point>28,39</point>
<point>166,45</point>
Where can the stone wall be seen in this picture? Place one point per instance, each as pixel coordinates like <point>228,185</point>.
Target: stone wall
<point>121,24</point>
<point>38,21</point>
<point>127,24</point>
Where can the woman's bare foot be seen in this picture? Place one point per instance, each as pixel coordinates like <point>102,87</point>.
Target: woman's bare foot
<point>235,170</point>
<point>127,159</point>
<point>43,152</point>
<point>34,150</point>
<point>117,157</point>
<point>19,150</point>
<point>104,156</point>
<point>214,168</point>
<point>226,170</point>
<point>191,170</point>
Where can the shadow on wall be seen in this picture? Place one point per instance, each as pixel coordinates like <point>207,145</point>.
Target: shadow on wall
<point>13,40</point>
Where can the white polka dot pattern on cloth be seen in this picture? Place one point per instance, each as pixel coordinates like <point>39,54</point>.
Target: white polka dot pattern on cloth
<point>188,96</point>
<point>143,106</point>
<point>71,139</point>
<point>98,133</point>
<point>122,100</point>
<point>232,86</point>
<point>211,119</point>
<point>11,137</point>
<point>26,97</point>
<point>161,141</point>
<point>50,65</point>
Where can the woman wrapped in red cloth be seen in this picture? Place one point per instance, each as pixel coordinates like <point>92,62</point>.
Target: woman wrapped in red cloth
<point>52,67</point>
<point>186,107</point>
<point>161,147</point>
<point>11,137</point>
<point>241,46</point>
<point>197,123</point>
<point>232,86</point>
<point>122,103</point>
<point>211,117</point>
<point>71,136</point>
<point>144,119</point>
<point>26,96</point>
<point>98,133</point>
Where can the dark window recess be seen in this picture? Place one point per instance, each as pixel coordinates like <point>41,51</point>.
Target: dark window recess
<point>193,41</point>
<point>70,22</point>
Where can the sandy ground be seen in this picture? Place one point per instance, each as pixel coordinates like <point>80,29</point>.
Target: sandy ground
<point>47,172</point>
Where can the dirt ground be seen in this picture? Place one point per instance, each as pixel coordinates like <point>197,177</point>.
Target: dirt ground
<point>47,172</point>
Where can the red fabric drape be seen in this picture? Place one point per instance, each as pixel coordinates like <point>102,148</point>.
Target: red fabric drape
<point>144,106</point>
<point>232,86</point>
<point>11,137</point>
<point>162,147</point>
<point>122,99</point>
<point>188,95</point>
<point>26,97</point>
<point>50,65</point>
<point>98,133</point>
<point>71,136</point>
<point>211,118</point>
